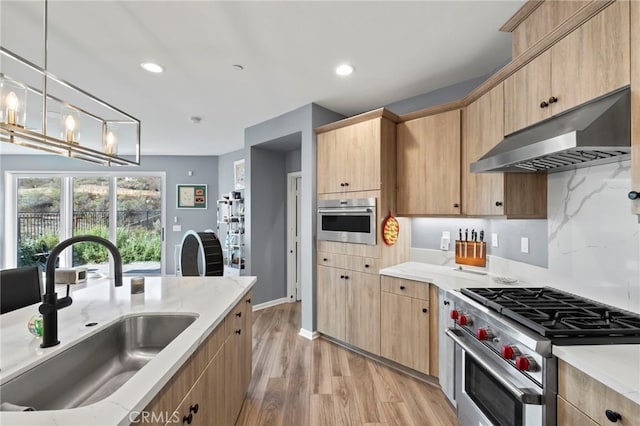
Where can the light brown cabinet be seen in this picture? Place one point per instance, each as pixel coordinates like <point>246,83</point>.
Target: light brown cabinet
<point>210,388</point>
<point>429,165</point>
<point>591,61</point>
<point>356,157</point>
<point>514,195</point>
<point>635,104</point>
<point>348,305</point>
<point>407,326</point>
<point>591,399</point>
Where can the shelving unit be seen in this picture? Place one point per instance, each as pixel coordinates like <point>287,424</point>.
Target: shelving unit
<point>230,227</point>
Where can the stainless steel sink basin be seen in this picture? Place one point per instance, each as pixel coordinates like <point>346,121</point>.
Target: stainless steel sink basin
<point>94,368</point>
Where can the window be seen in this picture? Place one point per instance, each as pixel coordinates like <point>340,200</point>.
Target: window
<point>126,209</point>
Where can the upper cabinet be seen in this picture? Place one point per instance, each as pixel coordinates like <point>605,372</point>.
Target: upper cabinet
<point>358,156</point>
<point>514,195</point>
<point>589,62</point>
<point>429,165</point>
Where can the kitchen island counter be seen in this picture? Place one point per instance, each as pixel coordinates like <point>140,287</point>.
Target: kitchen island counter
<point>210,298</point>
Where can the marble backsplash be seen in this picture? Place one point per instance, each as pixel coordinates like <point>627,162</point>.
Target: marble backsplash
<point>593,239</point>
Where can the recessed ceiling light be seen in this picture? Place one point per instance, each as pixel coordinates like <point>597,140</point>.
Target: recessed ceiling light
<point>344,69</point>
<point>151,67</point>
<point>238,67</point>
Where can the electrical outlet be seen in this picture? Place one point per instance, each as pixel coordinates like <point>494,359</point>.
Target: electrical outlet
<point>494,239</point>
<point>177,228</point>
<point>445,240</point>
<point>524,245</point>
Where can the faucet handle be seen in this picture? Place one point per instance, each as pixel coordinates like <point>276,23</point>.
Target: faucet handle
<point>64,302</point>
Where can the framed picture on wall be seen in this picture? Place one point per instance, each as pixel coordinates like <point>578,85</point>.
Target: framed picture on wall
<point>191,196</point>
<point>238,174</point>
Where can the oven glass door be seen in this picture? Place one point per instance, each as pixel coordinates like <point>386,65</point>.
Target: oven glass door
<point>348,224</point>
<point>345,222</point>
<point>499,405</point>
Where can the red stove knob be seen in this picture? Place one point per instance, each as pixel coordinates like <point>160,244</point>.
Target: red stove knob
<point>464,320</point>
<point>454,314</point>
<point>482,334</point>
<point>509,351</point>
<point>525,363</point>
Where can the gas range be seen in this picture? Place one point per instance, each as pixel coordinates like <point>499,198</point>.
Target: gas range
<point>505,372</point>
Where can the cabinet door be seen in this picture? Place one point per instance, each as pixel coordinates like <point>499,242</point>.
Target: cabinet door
<point>233,378</point>
<point>363,311</point>
<point>524,92</point>
<point>331,298</point>
<point>359,155</point>
<point>428,173</point>
<point>483,125</point>
<point>247,343</point>
<point>571,416</point>
<point>328,157</point>
<point>404,336</point>
<point>205,402</point>
<point>593,60</point>
<point>635,104</point>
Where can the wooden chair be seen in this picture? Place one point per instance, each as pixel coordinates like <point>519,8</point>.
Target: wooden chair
<point>20,287</point>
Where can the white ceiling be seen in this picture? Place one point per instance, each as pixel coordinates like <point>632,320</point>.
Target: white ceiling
<point>289,50</point>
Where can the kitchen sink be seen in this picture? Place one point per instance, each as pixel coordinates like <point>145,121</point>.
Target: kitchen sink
<point>94,368</point>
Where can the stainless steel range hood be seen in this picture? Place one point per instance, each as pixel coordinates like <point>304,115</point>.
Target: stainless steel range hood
<point>593,133</point>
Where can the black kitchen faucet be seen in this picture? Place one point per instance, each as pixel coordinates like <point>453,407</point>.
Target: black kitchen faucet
<point>50,303</point>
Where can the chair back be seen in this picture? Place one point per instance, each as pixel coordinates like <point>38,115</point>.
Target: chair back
<point>20,287</point>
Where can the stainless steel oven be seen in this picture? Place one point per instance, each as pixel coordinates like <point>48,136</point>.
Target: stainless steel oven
<point>489,394</point>
<point>347,221</point>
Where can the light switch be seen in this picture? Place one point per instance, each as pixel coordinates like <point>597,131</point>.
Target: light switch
<point>524,245</point>
<point>494,239</point>
<point>177,228</point>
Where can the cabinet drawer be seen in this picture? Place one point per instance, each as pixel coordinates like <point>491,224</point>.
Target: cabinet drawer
<point>416,289</point>
<point>333,260</point>
<point>368,265</point>
<point>570,415</point>
<point>593,397</point>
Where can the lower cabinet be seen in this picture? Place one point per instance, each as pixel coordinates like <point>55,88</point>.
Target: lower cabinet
<point>405,325</point>
<point>583,400</point>
<point>210,388</point>
<point>348,307</point>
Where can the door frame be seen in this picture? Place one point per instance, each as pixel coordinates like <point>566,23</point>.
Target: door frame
<point>293,220</point>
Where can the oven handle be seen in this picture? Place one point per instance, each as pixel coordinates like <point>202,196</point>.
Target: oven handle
<point>519,394</point>
<point>345,211</point>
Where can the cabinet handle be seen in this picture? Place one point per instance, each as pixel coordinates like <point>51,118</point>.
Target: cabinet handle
<point>239,314</point>
<point>612,416</point>
<point>445,303</point>
<point>194,408</point>
<point>248,300</point>
<point>346,277</point>
<point>324,259</point>
<point>346,184</point>
<point>544,104</point>
<point>238,331</point>
<point>366,265</point>
<point>401,287</point>
<point>456,205</point>
<point>634,195</point>
<point>187,419</point>
<point>553,100</point>
<point>341,183</point>
<point>498,203</point>
<point>342,277</point>
<point>425,310</point>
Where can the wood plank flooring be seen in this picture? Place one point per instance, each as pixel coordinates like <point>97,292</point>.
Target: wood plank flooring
<point>299,382</point>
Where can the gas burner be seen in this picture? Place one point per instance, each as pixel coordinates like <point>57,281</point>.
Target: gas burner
<point>563,317</point>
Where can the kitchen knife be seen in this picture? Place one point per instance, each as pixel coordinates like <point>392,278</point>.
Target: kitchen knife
<point>481,236</point>
<point>460,233</point>
<point>466,234</point>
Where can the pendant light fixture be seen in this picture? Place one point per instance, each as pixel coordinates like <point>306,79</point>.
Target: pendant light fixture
<point>56,116</point>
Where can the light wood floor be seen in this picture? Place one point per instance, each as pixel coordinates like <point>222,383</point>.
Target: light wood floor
<point>300,382</point>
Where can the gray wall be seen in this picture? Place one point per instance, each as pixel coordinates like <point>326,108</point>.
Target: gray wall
<point>225,171</point>
<point>205,170</point>
<point>294,161</point>
<point>426,233</point>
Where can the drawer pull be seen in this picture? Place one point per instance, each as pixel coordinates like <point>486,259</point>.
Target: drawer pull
<point>425,310</point>
<point>194,408</point>
<point>248,300</point>
<point>613,416</point>
<point>342,277</point>
<point>366,265</point>
<point>239,331</point>
<point>239,314</point>
<point>187,419</point>
<point>324,259</point>
<point>346,277</point>
<point>401,287</point>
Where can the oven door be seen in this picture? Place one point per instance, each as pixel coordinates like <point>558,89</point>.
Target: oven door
<point>347,221</point>
<point>488,392</point>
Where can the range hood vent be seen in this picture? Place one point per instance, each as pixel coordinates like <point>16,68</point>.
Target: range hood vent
<point>593,133</point>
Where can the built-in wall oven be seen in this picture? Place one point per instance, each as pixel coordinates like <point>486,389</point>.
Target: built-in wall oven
<point>348,221</point>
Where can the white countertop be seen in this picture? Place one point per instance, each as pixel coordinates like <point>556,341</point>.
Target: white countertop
<point>617,366</point>
<point>211,298</point>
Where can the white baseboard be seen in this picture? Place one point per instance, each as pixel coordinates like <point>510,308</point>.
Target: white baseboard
<point>270,304</point>
<point>308,334</point>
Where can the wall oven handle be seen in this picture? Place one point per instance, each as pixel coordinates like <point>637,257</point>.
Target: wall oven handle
<point>519,394</point>
<point>345,210</point>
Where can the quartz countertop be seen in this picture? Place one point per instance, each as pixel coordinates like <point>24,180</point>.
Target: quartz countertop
<point>211,298</point>
<point>616,366</point>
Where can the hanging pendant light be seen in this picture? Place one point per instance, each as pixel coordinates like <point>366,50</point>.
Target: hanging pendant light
<point>105,128</point>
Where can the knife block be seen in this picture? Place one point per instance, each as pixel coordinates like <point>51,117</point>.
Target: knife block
<point>471,253</point>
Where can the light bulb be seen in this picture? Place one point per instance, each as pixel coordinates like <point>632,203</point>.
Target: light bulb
<point>110,138</point>
<point>12,107</point>
<point>70,123</point>
<point>12,101</point>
